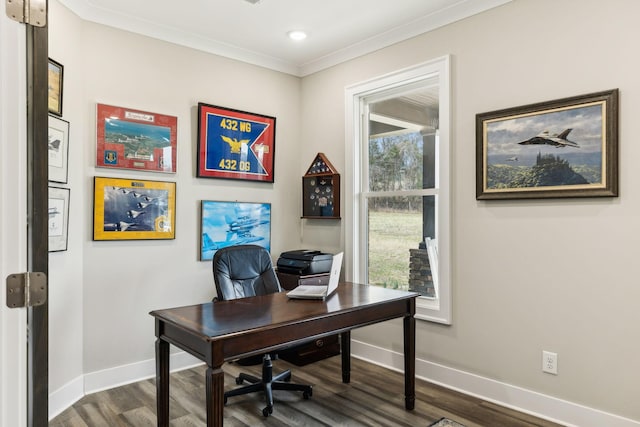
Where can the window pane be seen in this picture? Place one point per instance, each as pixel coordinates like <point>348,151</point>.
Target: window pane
<point>396,233</point>
<point>396,162</point>
<point>403,152</point>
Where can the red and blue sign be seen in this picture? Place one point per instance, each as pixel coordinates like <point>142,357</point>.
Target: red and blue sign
<point>235,144</point>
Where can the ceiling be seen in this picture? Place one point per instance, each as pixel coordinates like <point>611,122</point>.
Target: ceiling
<point>254,31</point>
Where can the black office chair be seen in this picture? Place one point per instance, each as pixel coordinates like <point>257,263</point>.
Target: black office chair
<point>244,271</point>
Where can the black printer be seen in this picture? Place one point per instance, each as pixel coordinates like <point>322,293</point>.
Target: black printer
<point>304,262</point>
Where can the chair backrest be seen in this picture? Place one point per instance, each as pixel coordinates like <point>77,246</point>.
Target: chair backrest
<point>244,271</point>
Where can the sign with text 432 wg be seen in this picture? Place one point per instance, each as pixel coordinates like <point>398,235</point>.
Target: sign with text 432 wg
<point>235,144</point>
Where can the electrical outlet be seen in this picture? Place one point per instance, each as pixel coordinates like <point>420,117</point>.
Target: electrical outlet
<point>549,362</point>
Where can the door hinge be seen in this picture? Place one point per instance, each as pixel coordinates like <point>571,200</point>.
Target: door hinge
<point>32,12</point>
<point>26,289</point>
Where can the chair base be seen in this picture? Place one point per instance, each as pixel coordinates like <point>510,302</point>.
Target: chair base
<point>267,384</point>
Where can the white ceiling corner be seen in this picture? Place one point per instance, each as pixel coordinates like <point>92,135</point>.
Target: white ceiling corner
<point>339,30</point>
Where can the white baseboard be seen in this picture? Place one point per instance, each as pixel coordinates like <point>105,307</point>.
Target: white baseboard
<point>520,399</point>
<point>127,374</point>
<point>523,400</point>
<point>65,396</point>
<point>93,382</point>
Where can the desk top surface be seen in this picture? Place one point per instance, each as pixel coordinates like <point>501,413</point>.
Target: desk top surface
<point>235,316</point>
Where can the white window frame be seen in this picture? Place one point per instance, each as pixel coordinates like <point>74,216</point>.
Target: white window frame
<point>430,309</point>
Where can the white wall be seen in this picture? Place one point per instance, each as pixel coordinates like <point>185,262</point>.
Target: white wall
<point>102,292</point>
<point>124,281</point>
<point>528,276</point>
<point>66,311</point>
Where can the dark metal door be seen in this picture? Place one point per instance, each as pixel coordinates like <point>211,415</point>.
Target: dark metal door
<point>37,221</point>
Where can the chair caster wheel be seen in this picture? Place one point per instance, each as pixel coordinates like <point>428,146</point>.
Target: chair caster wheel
<point>267,411</point>
<point>238,380</point>
<point>225,400</point>
<point>307,394</point>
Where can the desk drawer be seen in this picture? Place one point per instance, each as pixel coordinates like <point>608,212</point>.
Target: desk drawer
<point>312,352</point>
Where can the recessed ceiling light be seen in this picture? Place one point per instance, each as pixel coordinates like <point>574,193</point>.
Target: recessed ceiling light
<point>297,35</point>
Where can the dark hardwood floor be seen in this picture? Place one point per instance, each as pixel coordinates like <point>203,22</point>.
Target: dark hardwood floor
<point>375,397</point>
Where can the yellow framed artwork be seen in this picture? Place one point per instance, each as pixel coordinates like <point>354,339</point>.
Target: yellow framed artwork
<point>55,87</point>
<point>133,209</point>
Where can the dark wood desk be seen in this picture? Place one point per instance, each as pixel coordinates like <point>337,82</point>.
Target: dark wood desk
<point>221,331</point>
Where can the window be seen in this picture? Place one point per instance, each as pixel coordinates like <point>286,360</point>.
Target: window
<point>398,163</point>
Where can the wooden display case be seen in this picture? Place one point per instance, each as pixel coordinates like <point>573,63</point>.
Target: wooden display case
<point>321,190</point>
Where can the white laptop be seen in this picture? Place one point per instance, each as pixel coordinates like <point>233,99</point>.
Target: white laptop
<point>320,291</point>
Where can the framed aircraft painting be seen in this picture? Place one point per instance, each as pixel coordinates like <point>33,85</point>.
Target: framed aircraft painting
<point>133,209</point>
<point>135,139</point>
<point>55,82</point>
<point>233,223</point>
<point>58,142</point>
<point>562,148</point>
<point>235,144</point>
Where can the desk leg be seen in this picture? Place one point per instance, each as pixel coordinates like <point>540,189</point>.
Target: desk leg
<point>215,396</point>
<point>345,349</point>
<point>162,382</point>
<point>409,362</point>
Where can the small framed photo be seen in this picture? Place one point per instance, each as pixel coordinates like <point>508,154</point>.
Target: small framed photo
<point>135,139</point>
<point>55,79</point>
<point>562,148</point>
<point>58,218</point>
<point>133,209</point>
<point>235,144</point>
<point>233,223</point>
<point>58,149</point>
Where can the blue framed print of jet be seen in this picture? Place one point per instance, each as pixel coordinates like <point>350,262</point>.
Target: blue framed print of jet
<point>226,224</point>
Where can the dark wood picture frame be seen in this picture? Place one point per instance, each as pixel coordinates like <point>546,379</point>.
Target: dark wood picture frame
<point>235,144</point>
<point>56,80</point>
<point>526,152</point>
